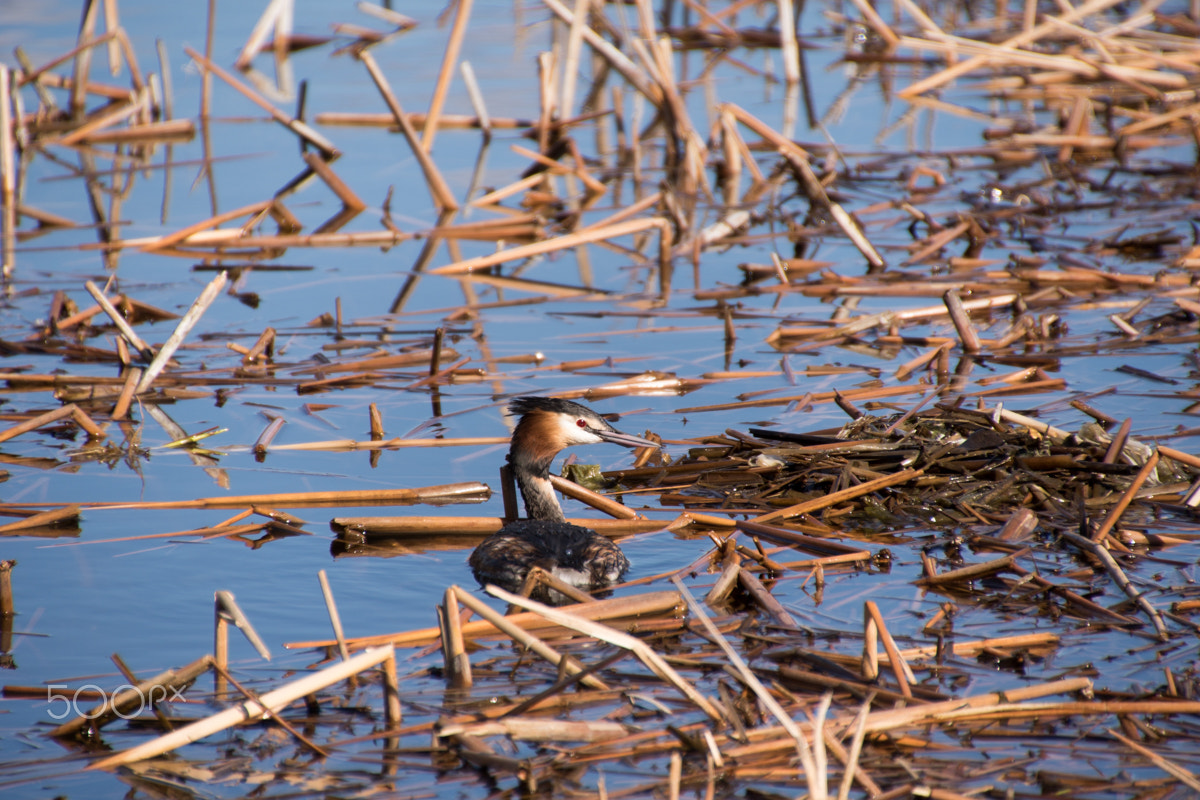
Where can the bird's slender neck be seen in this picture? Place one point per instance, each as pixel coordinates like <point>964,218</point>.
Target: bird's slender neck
<point>531,468</point>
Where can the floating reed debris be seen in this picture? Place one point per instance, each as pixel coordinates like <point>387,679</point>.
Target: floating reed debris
<point>985,316</point>
<point>268,703</point>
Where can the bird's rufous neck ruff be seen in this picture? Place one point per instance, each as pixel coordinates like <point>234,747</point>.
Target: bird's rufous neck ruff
<point>530,457</point>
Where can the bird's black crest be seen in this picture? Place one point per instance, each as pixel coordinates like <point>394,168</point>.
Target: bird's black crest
<point>525,405</point>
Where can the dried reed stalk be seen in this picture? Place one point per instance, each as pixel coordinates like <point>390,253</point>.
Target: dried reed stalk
<point>134,697</point>
<point>526,639</point>
<point>618,60</point>
<point>365,497</point>
<point>437,185</point>
<point>478,526</point>
<point>1114,514</point>
<point>70,512</point>
<point>335,619</point>
<point>575,239</point>
<point>267,704</point>
<point>454,653</point>
<point>593,499</point>
<point>539,729</point>
<point>301,129</point>
<point>188,321</point>
<point>1020,40</point>
<point>877,628</point>
<point>1118,575</point>
<point>388,444</point>
<point>462,14</point>
<point>648,604</point>
<point>816,504</point>
<point>122,325</point>
<point>1170,767</point>
<point>71,410</point>
<point>336,185</point>
<point>604,633</point>
<point>8,181</point>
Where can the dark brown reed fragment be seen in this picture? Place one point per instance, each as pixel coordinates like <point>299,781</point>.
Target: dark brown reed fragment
<point>852,410</point>
<point>1118,442</point>
<point>263,442</point>
<point>7,607</point>
<point>962,322</point>
<point>1120,578</point>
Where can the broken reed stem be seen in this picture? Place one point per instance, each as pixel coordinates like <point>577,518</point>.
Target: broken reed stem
<point>646,604</point>
<point>254,698</point>
<point>119,320</point>
<point>297,127</point>
<point>8,184</point>
<point>454,653</point>
<point>44,518</point>
<point>593,499</point>
<point>365,497</point>
<point>585,236</point>
<point>643,651</point>
<point>1114,513</point>
<point>227,605</point>
<point>336,185</point>
<point>477,101</point>
<point>526,639</point>
<point>618,60</point>
<point>816,504</point>
<point>335,619</point>
<point>900,668</point>
<point>1020,40</point>
<point>437,186</point>
<point>125,399</point>
<point>268,703</point>
<point>1120,578</point>
<point>70,410</point>
<point>748,677</point>
<point>962,322</point>
<point>134,697</point>
<point>1170,767</point>
<point>462,15</point>
<point>181,331</point>
<point>255,211</point>
<point>267,436</point>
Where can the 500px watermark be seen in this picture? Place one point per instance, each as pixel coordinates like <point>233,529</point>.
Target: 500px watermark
<point>126,701</point>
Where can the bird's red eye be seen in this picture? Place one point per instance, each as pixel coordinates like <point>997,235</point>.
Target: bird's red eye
<point>581,423</point>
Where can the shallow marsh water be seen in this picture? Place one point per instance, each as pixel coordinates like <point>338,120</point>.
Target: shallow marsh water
<point>83,598</point>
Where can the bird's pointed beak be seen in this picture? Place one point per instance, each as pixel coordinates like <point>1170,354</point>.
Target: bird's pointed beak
<point>626,439</point>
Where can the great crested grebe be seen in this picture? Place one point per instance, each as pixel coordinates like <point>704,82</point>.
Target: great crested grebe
<point>576,555</point>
